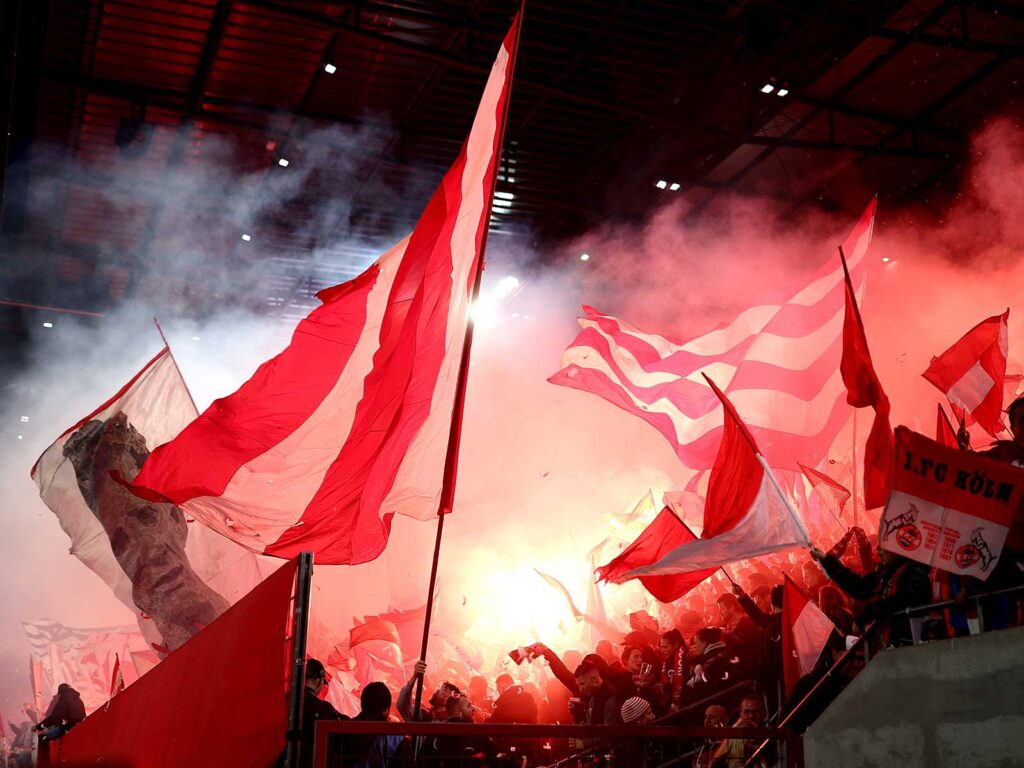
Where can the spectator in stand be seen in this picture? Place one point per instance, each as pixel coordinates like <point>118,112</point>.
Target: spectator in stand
<point>477,692</point>
<point>1009,571</point>
<point>689,621</point>
<point>897,584</point>
<point>833,603</point>
<point>514,705</point>
<point>460,750</point>
<point>762,597</point>
<point>675,667</point>
<point>632,658</point>
<point>599,704</point>
<point>636,711</point>
<point>741,635</point>
<point>713,671</point>
<point>65,713</point>
<point>733,753</point>
<point>604,649</point>
<point>768,670</point>
<point>379,751</point>
<point>813,578</point>
<point>715,716</point>
<point>314,708</point>
<point>437,712</point>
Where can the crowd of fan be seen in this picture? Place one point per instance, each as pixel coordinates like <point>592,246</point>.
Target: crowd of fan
<point>719,664</point>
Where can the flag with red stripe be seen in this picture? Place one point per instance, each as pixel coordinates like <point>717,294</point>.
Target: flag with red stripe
<point>944,432</point>
<point>350,424</point>
<point>863,389</point>
<point>805,633</point>
<point>664,534</point>
<point>746,513</point>
<point>778,362</point>
<point>949,509</point>
<point>972,372</point>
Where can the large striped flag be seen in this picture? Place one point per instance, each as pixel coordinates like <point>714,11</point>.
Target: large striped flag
<point>779,363</point>
<point>352,419</point>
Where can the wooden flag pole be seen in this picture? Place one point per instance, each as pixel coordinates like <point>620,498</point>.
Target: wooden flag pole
<point>451,461</point>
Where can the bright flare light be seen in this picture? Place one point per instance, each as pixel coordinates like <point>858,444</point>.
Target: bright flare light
<point>783,92</point>
<point>767,88</point>
<point>24,419</point>
<point>283,162</point>
<point>661,184</point>
<point>47,325</point>
<point>885,259</point>
<point>484,311</point>
<point>673,186</point>
<point>506,286</point>
<point>330,69</point>
<point>584,257</point>
<point>247,238</point>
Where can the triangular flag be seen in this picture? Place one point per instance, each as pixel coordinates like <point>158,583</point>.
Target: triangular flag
<point>665,533</point>
<point>944,432</point>
<point>743,495</point>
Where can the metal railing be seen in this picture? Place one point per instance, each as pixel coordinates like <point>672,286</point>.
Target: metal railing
<point>864,643</point>
<point>613,742</point>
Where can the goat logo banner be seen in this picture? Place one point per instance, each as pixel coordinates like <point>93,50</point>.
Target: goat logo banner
<point>948,508</point>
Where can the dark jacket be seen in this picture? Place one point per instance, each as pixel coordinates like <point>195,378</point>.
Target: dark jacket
<point>769,652</point>
<point>603,708</point>
<point>889,588</point>
<point>67,710</point>
<point>514,706</point>
<point>314,709</point>
<point>713,672</point>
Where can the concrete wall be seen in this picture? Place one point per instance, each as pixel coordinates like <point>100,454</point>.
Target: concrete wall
<point>949,704</point>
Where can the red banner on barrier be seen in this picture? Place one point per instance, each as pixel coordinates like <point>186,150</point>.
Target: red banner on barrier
<point>220,699</point>
<point>950,509</point>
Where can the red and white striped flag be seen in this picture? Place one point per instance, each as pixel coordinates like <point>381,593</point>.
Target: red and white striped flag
<point>805,633</point>
<point>779,363</point>
<point>352,419</point>
<point>972,372</point>
<point>746,513</point>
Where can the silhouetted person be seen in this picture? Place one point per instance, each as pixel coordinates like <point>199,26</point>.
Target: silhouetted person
<point>67,712</point>
<point>314,708</point>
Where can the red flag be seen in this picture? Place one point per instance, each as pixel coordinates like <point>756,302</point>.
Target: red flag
<point>373,629</point>
<point>665,533</point>
<point>949,509</point>
<point>766,523</point>
<point>350,424</point>
<point>116,678</point>
<point>863,389</point>
<point>827,488</point>
<point>805,633</point>
<point>972,372</point>
<point>944,432</point>
<point>777,360</point>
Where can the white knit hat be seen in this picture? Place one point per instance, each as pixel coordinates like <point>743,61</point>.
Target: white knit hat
<point>635,708</point>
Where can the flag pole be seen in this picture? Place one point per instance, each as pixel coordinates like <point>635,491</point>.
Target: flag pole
<point>177,367</point>
<point>455,433</point>
<point>860,321</point>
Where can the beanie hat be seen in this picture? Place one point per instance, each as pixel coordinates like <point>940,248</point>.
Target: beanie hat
<point>635,708</point>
